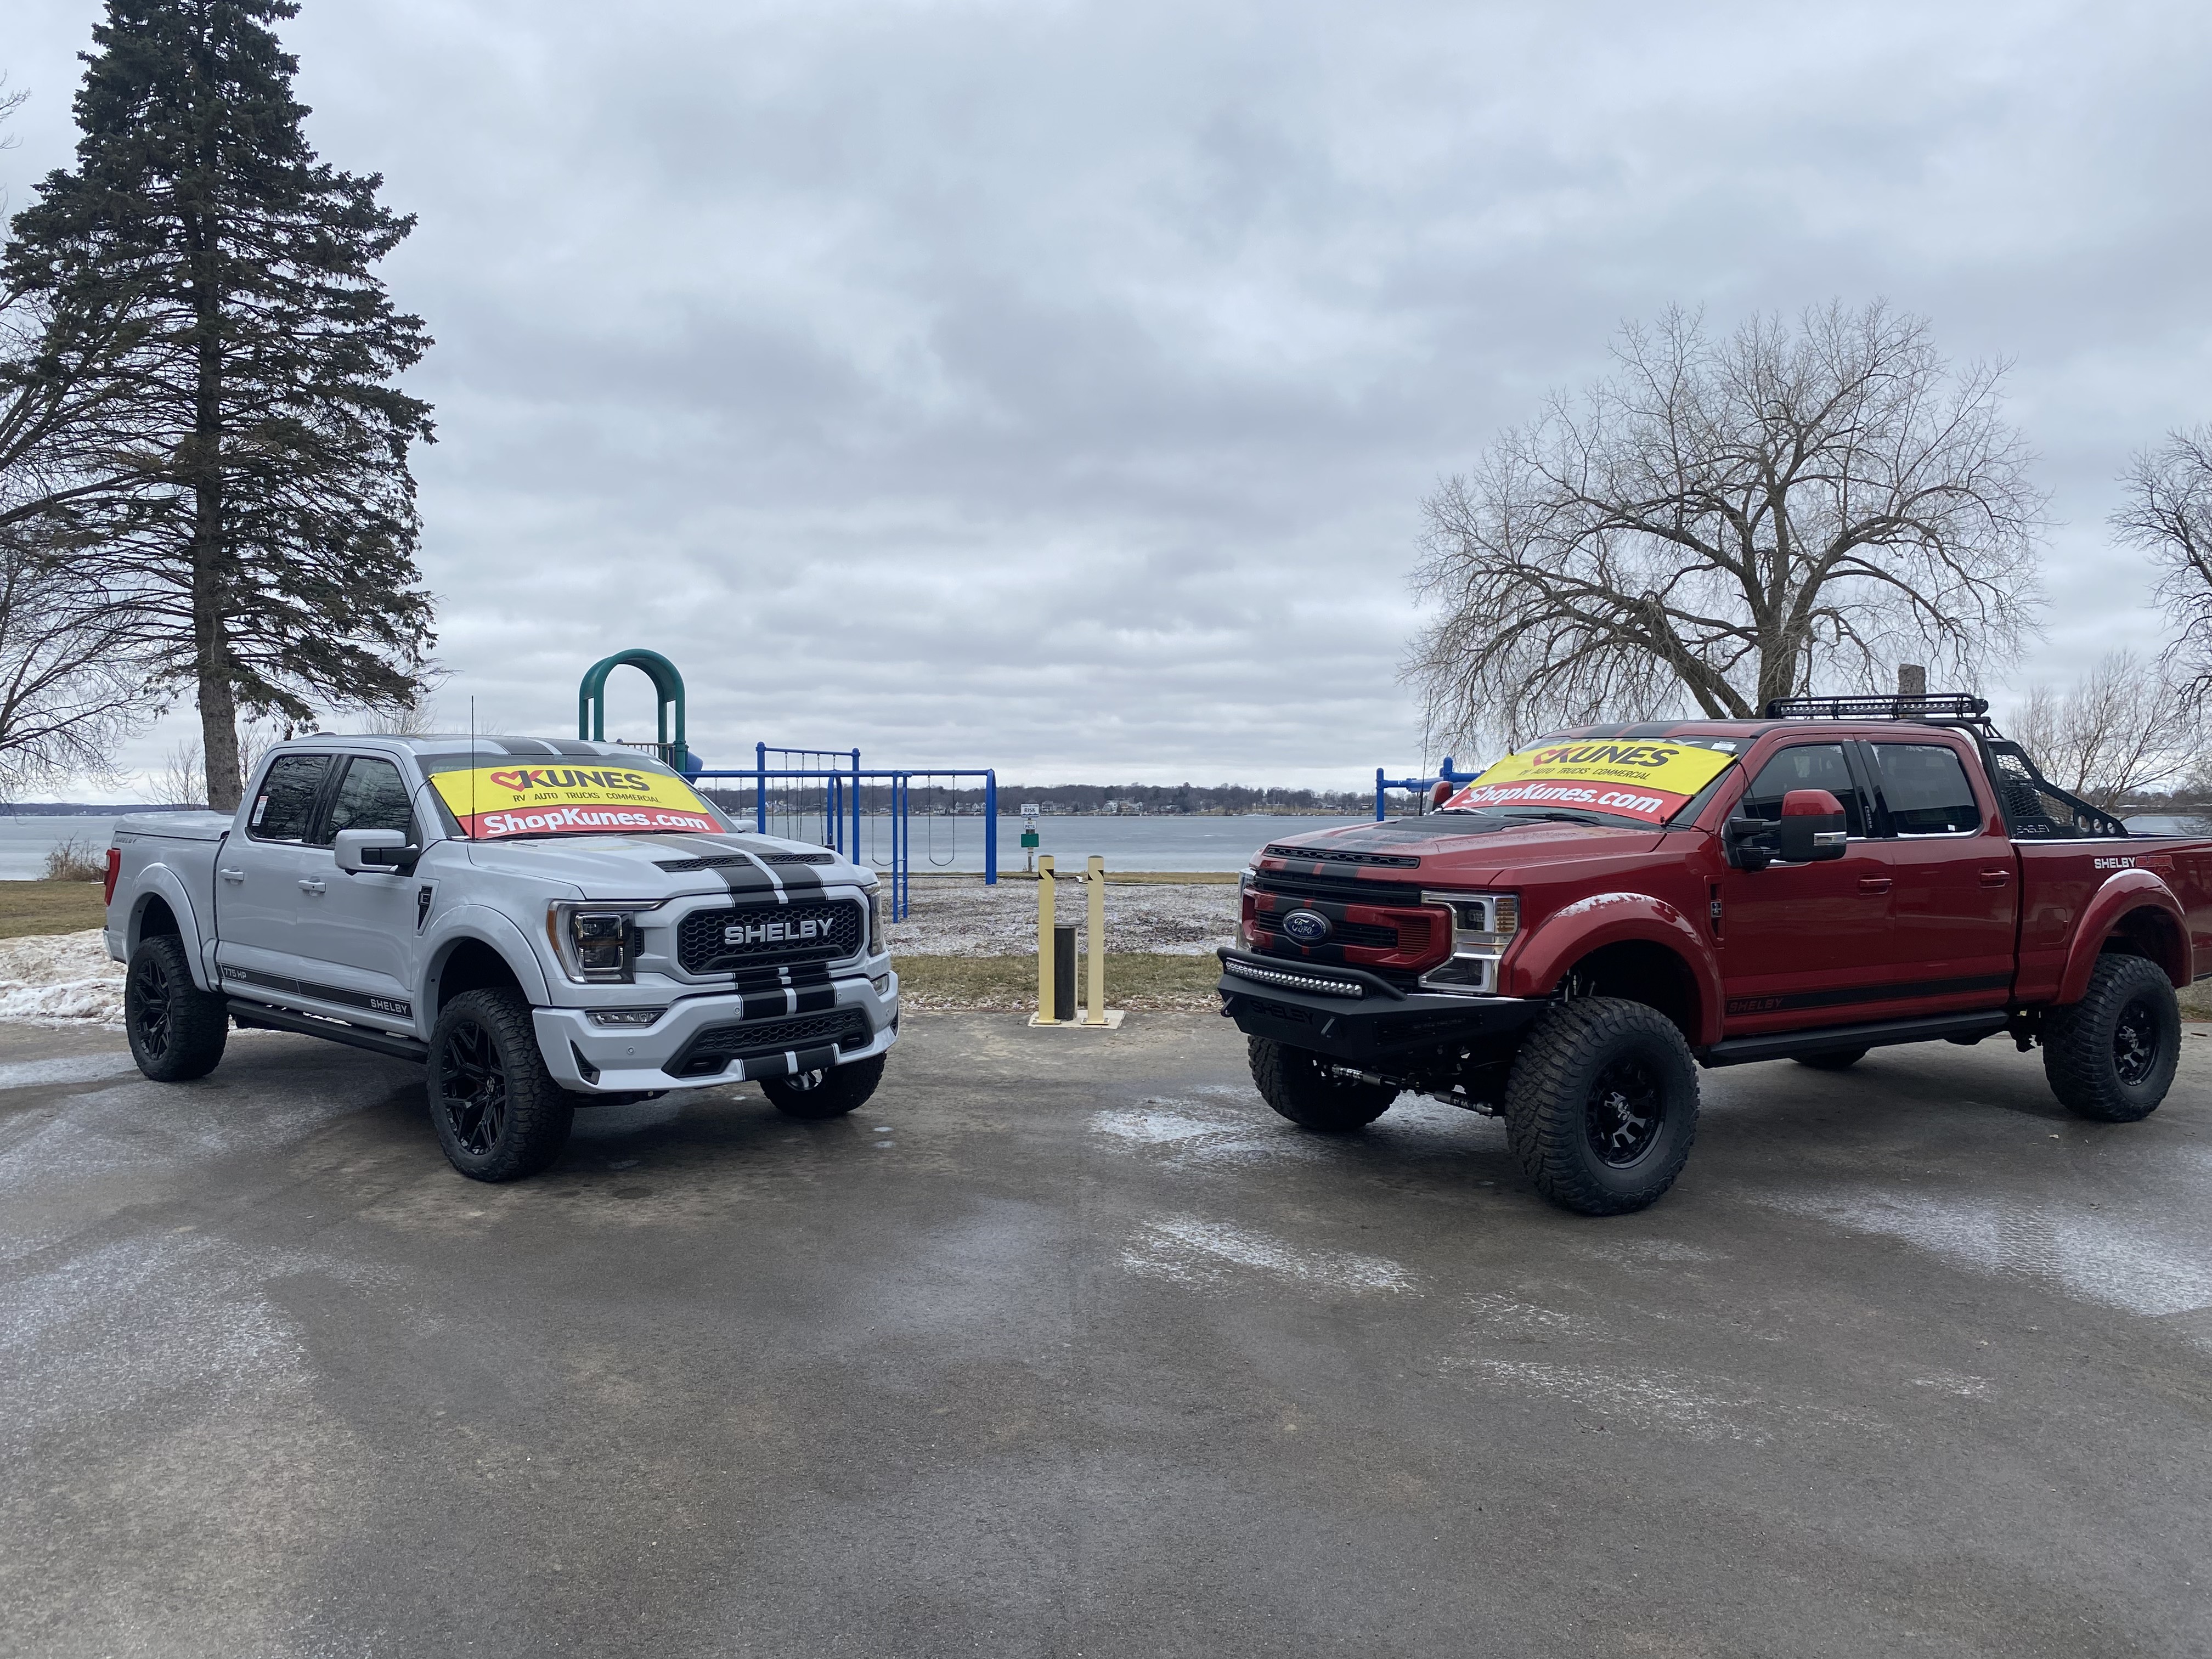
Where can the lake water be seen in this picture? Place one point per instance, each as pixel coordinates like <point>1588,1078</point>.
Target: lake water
<point>941,844</point>
<point>1167,843</point>
<point>25,842</point>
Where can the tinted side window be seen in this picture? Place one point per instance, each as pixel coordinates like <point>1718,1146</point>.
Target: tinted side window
<point>1806,766</point>
<point>287,795</point>
<point>371,796</point>
<point>1925,789</point>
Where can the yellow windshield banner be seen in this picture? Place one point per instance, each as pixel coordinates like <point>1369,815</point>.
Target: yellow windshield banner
<point>1648,779</point>
<point>569,799</point>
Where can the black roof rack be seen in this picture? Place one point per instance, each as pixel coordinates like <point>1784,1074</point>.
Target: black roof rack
<point>1941,705</point>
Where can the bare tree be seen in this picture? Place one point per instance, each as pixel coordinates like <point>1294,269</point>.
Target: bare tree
<point>182,779</point>
<point>1723,522</point>
<point>69,684</point>
<point>2126,726</point>
<point>2168,513</point>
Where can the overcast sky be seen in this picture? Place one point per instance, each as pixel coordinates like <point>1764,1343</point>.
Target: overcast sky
<point>1055,386</point>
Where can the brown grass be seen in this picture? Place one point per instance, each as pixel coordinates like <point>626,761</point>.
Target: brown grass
<point>1008,984</point>
<point>49,907</point>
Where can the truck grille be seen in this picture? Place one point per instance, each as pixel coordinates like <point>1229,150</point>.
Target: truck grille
<point>714,1048</point>
<point>1367,935</point>
<point>734,937</point>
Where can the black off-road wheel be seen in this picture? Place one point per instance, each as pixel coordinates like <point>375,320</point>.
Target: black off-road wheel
<point>1832,1059</point>
<point>1602,1106</point>
<point>499,1113</point>
<point>177,1030</point>
<point>1307,1088</point>
<point>831,1091</point>
<point>2111,1056</point>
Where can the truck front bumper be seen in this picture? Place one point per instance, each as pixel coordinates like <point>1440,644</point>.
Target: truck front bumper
<point>704,1041</point>
<point>1372,1029</point>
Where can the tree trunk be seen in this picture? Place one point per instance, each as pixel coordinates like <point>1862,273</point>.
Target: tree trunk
<point>218,697</point>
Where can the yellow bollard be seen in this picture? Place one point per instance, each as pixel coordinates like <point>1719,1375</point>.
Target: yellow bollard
<point>1095,1011</point>
<point>1045,878</point>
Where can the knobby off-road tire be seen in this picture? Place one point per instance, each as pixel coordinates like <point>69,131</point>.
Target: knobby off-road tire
<point>1301,1086</point>
<point>177,1030</point>
<point>499,1113</point>
<point>1601,1105</point>
<point>830,1092</point>
<point>1835,1059</point>
<point>2111,1056</point>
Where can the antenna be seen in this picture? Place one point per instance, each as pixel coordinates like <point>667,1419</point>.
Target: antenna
<point>473,769</point>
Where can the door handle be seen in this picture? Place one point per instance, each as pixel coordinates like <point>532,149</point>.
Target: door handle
<point>311,883</point>
<point>1874,883</point>
<point>1996,878</point>
<point>233,875</point>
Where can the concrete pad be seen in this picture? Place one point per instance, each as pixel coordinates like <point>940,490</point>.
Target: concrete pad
<point>1060,1348</point>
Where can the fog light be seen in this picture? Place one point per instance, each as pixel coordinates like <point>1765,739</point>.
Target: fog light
<point>623,1016</point>
<point>883,984</point>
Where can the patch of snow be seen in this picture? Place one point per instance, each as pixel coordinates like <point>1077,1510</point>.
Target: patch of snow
<point>2091,1253</point>
<point>60,977</point>
<point>1644,1401</point>
<point>1190,1250</point>
<point>1148,1126</point>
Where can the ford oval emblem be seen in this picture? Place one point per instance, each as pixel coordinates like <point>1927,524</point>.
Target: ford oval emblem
<point>1307,927</point>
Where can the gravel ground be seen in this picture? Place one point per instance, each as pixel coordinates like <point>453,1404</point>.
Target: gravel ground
<point>967,919</point>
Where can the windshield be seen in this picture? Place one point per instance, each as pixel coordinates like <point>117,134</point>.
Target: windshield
<point>571,797</point>
<point>1644,782</point>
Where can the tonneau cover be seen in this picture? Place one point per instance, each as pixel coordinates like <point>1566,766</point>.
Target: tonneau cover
<point>175,826</point>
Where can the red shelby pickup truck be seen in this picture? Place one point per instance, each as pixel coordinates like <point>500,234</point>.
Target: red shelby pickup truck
<point>1568,937</point>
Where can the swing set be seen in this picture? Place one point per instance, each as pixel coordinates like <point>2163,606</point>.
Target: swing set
<point>823,796</point>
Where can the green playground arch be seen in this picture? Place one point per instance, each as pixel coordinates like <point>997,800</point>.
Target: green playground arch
<point>667,685</point>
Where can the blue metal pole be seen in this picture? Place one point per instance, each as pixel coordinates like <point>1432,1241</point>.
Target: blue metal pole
<point>903,845</point>
<point>991,827</point>
<point>1379,814</point>
<point>856,806</point>
<point>760,787</point>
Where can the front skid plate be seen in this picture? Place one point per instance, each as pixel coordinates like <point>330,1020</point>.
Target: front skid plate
<point>1371,1032</point>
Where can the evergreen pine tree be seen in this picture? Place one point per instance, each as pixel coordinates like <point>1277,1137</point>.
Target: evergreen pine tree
<point>268,554</point>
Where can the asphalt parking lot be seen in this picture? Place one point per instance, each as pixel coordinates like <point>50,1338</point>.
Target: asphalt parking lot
<point>1067,1345</point>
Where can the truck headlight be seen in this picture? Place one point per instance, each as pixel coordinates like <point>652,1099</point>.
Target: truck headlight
<point>1483,925</point>
<point>597,943</point>
<point>875,921</point>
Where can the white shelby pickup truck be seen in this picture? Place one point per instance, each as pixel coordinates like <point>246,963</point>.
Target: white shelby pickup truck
<point>547,924</point>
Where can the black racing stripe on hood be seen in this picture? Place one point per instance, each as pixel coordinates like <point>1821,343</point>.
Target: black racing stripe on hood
<point>798,880</point>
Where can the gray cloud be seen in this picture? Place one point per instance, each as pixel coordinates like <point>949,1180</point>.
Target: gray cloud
<point>1055,386</point>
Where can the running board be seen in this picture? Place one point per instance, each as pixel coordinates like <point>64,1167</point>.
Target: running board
<point>1786,1045</point>
<point>260,1015</point>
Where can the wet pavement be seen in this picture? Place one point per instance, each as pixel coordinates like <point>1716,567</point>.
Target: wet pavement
<point>1067,1345</point>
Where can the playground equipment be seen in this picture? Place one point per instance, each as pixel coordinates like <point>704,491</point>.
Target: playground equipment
<point>1053,1008</point>
<point>1419,786</point>
<point>821,795</point>
<point>668,687</point>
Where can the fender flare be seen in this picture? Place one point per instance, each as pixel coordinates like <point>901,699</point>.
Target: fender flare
<point>158,881</point>
<point>477,924</point>
<point>1535,966</point>
<point>2124,893</point>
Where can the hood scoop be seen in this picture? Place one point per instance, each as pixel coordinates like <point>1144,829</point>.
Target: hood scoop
<point>1345,855</point>
<point>723,861</point>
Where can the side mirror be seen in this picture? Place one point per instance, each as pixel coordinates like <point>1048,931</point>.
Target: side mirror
<point>1811,826</point>
<point>1441,792</point>
<point>378,852</point>
<point>1747,843</point>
